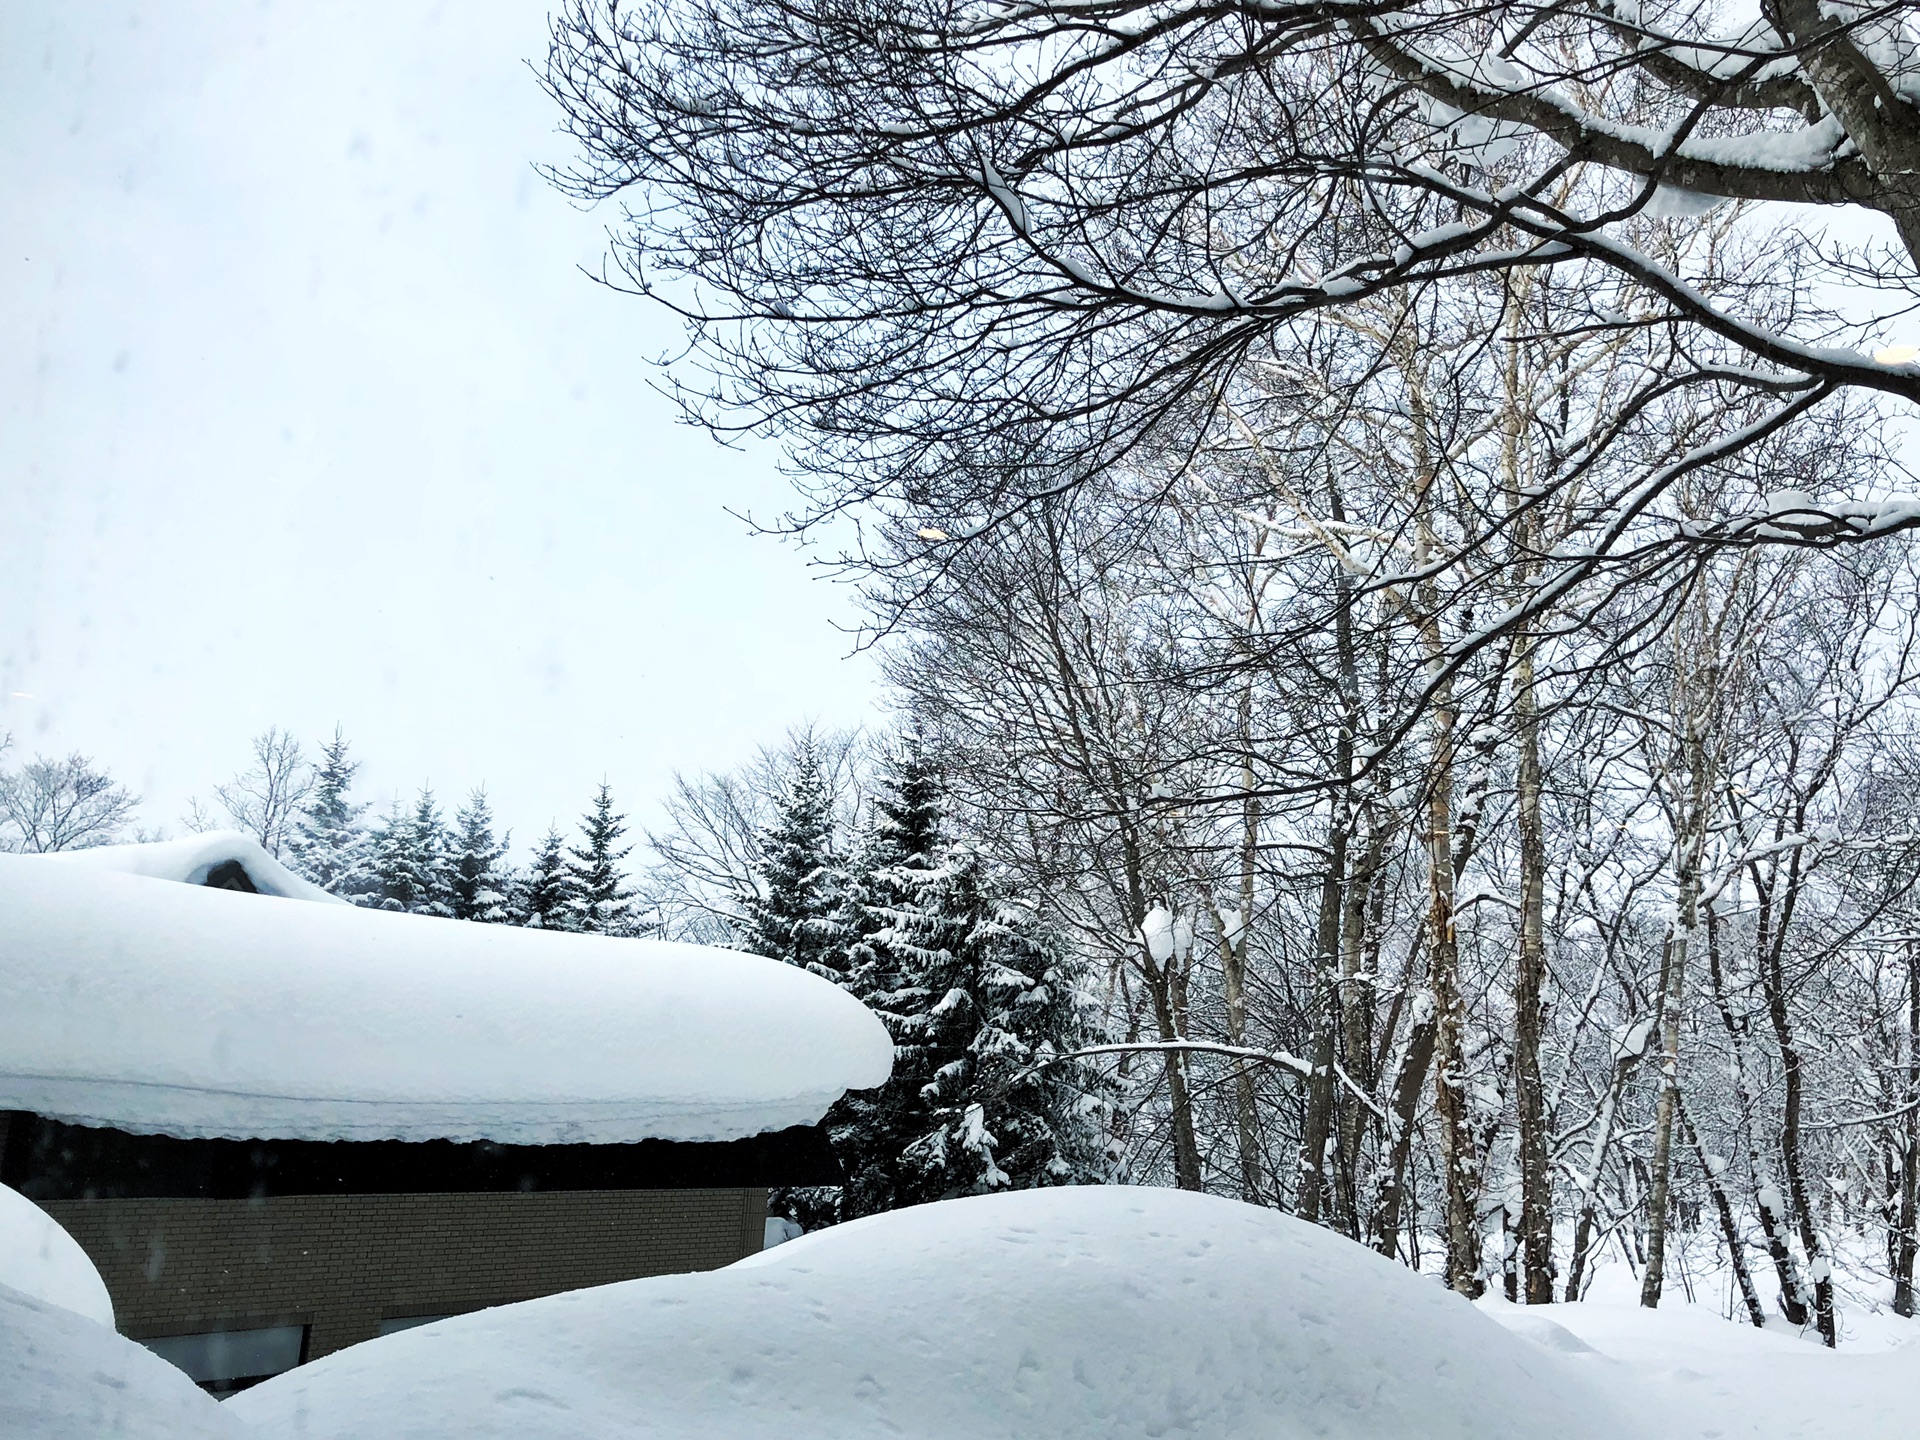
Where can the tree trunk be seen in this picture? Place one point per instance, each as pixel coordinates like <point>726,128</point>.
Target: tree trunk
<point>1458,1157</point>
<point>1907,1241</point>
<point>1773,983</point>
<point>1186,1150</point>
<point>1536,1176</point>
<point>1234,963</point>
<point>1589,1184</point>
<point>1320,1085</point>
<point>1356,1024</point>
<point>1673,992</point>
<point>1729,1227</point>
<point>1792,1290</point>
<point>1407,1089</point>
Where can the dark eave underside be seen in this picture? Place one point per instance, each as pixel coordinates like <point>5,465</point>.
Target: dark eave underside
<point>49,1160</point>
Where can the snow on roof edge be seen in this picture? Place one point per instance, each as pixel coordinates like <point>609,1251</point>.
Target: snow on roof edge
<point>175,1009</point>
<point>189,860</point>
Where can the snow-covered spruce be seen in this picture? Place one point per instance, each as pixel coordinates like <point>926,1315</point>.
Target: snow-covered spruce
<point>797,914</point>
<point>979,996</point>
<point>412,864</point>
<point>479,876</point>
<point>330,845</point>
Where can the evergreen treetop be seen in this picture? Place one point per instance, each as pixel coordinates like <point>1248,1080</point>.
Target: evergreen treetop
<point>330,845</point>
<point>543,900</point>
<point>797,915</point>
<point>599,893</point>
<point>411,860</point>
<point>479,879</point>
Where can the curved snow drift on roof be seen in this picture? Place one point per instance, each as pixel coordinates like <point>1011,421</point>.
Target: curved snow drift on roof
<point>175,1009</point>
<point>41,1260</point>
<point>193,858</point>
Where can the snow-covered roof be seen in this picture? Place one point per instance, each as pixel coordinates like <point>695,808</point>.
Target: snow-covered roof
<point>194,858</point>
<point>178,1009</point>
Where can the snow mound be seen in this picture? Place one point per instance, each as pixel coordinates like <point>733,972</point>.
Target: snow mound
<point>43,1262</point>
<point>1073,1314</point>
<point>63,1377</point>
<point>182,1010</point>
<point>191,860</point>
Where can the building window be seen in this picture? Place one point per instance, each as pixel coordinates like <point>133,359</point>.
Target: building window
<point>224,1361</point>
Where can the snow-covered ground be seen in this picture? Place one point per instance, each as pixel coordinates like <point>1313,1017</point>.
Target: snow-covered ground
<point>1049,1315</point>
<point>1095,1312</point>
<point>1716,1378</point>
<point>165,1007</point>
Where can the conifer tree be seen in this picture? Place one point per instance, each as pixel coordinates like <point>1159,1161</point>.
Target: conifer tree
<point>411,860</point>
<point>599,893</point>
<point>543,898</point>
<point>479,880</point>
<point>978,997</point>
<point>1000,1002</point>
<point>798,914</point>
<point>330,845</point>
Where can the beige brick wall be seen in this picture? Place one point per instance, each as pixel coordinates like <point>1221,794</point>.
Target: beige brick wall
<point>343,1263</point>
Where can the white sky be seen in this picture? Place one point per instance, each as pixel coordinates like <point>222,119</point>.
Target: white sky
<point>309,416</point>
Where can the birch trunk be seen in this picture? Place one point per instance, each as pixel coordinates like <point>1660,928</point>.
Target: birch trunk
<point>1673,991</point>
<point>1907,1242</point>
<point>1458,1157</point>
<point>1320,1085</point>
<point>1536,1176</point>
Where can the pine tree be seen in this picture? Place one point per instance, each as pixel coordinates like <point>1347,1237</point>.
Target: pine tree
<point>798,914</point>
<point>479,878</point>
<point>543,898</point>
<point>989,995</point>
<point>977,994</point>
<point>600,895</point>
<point>411,860</point>
<point>330,845</point>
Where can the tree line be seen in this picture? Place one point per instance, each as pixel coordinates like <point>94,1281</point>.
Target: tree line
<point>986,1003</point>
<point>1394,539</point>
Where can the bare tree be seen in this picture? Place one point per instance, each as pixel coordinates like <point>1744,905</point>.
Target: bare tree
<point>707,854</point>
<point>265,800</point>
<point>68,804</point>
<point>918,240</point>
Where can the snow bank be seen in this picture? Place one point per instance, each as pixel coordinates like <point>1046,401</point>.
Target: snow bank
<point>190,860</point>
<point>1708,1377</point>
<point>65,1378</point>
<point>1058,1314</point>
<point>43,1262</point>
<point>182,1010</point>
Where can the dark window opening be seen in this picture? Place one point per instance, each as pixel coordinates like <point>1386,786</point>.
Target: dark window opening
<point>231,875</point>
<point>224,1362</point>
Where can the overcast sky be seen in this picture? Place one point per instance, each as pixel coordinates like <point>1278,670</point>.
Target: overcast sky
<point>310,417</point>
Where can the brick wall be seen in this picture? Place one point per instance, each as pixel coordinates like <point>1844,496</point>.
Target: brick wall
<point>344,1263</point>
